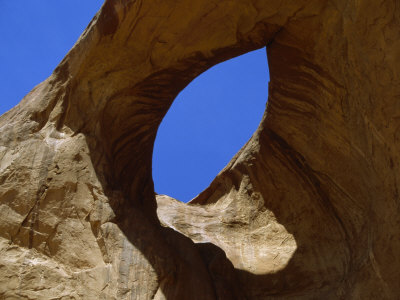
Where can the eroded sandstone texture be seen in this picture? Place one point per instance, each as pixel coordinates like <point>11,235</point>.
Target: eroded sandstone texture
<point>308,209</point>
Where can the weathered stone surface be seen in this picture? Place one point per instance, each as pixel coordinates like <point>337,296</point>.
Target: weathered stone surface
<point>308,209</point>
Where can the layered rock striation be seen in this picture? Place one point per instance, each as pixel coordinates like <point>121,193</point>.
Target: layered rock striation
<point>308,209</point>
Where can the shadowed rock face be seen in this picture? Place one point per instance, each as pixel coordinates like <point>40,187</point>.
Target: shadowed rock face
<point>308,208</point>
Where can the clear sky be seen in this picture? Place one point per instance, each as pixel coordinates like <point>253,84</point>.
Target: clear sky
<point>211,119</point>
<point>35,36</point>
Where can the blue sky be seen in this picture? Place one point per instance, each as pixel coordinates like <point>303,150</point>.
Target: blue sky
<point>210,120</point>
<point>35,36</point>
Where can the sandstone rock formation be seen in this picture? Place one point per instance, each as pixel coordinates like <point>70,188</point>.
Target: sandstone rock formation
<point>308,209</point>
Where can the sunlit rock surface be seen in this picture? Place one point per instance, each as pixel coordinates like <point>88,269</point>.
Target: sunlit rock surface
<point>308,209</point>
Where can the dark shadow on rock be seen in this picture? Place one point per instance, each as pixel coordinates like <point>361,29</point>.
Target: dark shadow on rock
<point>222,272</point>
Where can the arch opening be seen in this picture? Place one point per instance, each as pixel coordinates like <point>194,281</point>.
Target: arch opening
<point>208,123</point>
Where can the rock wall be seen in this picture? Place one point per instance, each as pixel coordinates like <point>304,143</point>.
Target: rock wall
<point>308,208</point>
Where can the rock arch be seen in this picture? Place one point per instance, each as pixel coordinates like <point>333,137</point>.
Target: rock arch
<point>308,209</point>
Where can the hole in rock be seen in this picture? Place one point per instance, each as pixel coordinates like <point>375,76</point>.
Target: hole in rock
<point>208,123</point>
